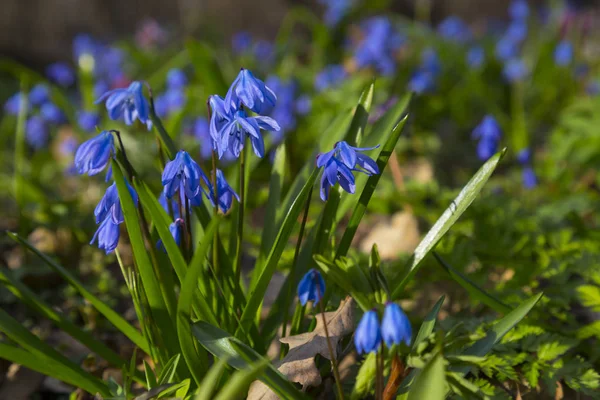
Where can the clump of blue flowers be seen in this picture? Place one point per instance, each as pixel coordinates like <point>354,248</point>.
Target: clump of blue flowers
<point>424,78</point>
<point>380,42</point>
<point>395,328</point>
<point>339,163</point>
<point>488,134</point>
<point>528,176</point>
<point>174,98</point>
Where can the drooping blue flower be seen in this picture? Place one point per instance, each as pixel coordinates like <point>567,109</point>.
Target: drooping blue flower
<point>51,113</point>
<point>519,10</point>
<point>338,166</point>
<point>421,82</point>
<point>506,49</point>
<point>61,73</point>
<point>395,326</point>
<point>176,228</point>
<point>524,156</point>
<point>39,94</point>
<point>377,48</point>
<point>239,125</point>
<point>563,53</point>
<point>475,57</point>
<point>488,133</point>
<point>88,120</point>
<point>107,236</point>
<point>94,155</point>
<point>251,92</point>
<point>335,10</point>
<point>170,102</point>
<point>367,337</point>
<point>517,31</point>
<point>303,104</point>
<point>182,172</point>
<point>515,70</point>
<point>110,206</point>
<point>529,178</point>
<point>241,42</point>
<point>330,76</point>
<point>225,193</point>
<point>129,104</point>
<point>311,287</point>
<point>36,132</point>
<point>13,104</point>
<point>176,79</point>
<point>454,29</point>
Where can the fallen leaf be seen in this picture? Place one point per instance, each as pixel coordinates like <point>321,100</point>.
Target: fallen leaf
<point>299,365</point>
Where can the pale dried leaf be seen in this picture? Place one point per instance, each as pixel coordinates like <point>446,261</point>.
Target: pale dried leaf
<point>298,365</point>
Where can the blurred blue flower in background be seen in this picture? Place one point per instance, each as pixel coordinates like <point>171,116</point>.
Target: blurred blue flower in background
<point>36,132</point>
<point>377,48</point>
<point>39,94</point>
<point>224,191</point>
<point>311,287</point>
<point>515,70</point>
<point>331,76</point>
<point>176,79</point>
<point>264,51</point>
<point>517,31</point>
<point>88,120</point>
<point>593,88</point>
<point>475,57</point>
<point>367,336</point>
<point>303,104</point>
<point>519,10</point>
<point>285,109</point>
<point>506,48</point>
<point>61,73</point>
<point>423,79</point>
<point>176,229</point>
<point>488,133</point>
<point>529,178</point>
<point>129,104</point>
<point>13,104</point>
<point>335,10</point>
<point>241,42</point>
<point>563,53</point>
<point>523,156</point>
<point>453,28</point>
<point>51,113</point>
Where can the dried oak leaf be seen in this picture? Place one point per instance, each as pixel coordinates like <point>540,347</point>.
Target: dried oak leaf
<point>299,365</point>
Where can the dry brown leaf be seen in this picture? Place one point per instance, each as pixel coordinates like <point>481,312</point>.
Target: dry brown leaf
<point>299,365</point>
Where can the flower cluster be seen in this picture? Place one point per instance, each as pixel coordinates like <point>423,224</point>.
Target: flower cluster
<point>335,10</point>
<point>339,163</point>
<point>423,79</point>
<point>174,98</point>
<point>380,42</point>
<point>508,46</point>
<point>488,134</point>
<point>230,123</point>
<point>454,29</point>
<point>527,174</point>
<point>43,114</point>
<point>243,44</point>
<point>331,76</point>
<point>563,53</point>
<point>394,329</point>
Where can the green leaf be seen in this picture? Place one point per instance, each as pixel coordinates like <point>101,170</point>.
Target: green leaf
<point>211,381</point>
<point>428,323</point>
<point>265,272</point>
<point>221,345</point>
<point>52,368</point>
<point>161,299</point>
<point>29,298</point>
<point>430,382</point>
<point>449,217</point>
<point>113,317</point>
<point>195,359</point>
<point>361,116</point>
<point>342,278</point>
<point>44,352</point>
<point>238,384</point>
<point>204,59</point>
<point>590,296</point>
<point>167,374</point>
<point>477,292</point>
<point>369,189</point>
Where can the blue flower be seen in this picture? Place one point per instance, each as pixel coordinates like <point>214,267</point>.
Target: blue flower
<point>476,57</point>
<point>39,94</point>
<point>36,132</point>
<point>506,48</point>
<point>523,156</point>
<point>264,51</point>
<point>164,202</point>
<point>367,337</point>
<point>172,101</point>
<point>529,177</point>
<point>107,236</point>
<point>430,61</point>
<point>61,73</point>
<point>94,155</point>
<point>454,29</point>
<point>395,326</point>
<point>88,120</point>
<point>110,206</point>
<point>338,166</point>
<point>176,229</point>
<point>330,76</point>
<point>182,172</point>
<point>51,113</point>
<point>518,10</point>
<point>335,10</point>
<point>311,287</point>
<point>13,104</point>
<point>421,82</point>
<point>83,45</point>
<point>488,133</point>
<point>303,104</point>
<point>128,104</point>
<point>515,70</point>
<point>517,31</point>
<point>251,92</point>
<point>67,146</point>
<point>378,46</point>
<point>563,53</point>
<point>237,126</point>
<point>285,111</point>
<point>225,193</point>
<point>241,42</point>
<point>176,79</point>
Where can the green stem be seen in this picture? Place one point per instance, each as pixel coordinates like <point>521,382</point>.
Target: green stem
<point>240,234</point>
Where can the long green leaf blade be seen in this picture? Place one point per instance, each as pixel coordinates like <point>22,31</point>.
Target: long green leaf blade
<point>428,323</point>
<point>430,382</point>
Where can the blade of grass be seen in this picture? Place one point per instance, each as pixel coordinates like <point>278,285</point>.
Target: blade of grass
<point>211,381</point>
<point>113,317</point>
<point>430,382</point>
<point>238,385</point>
<point>428,323</point>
